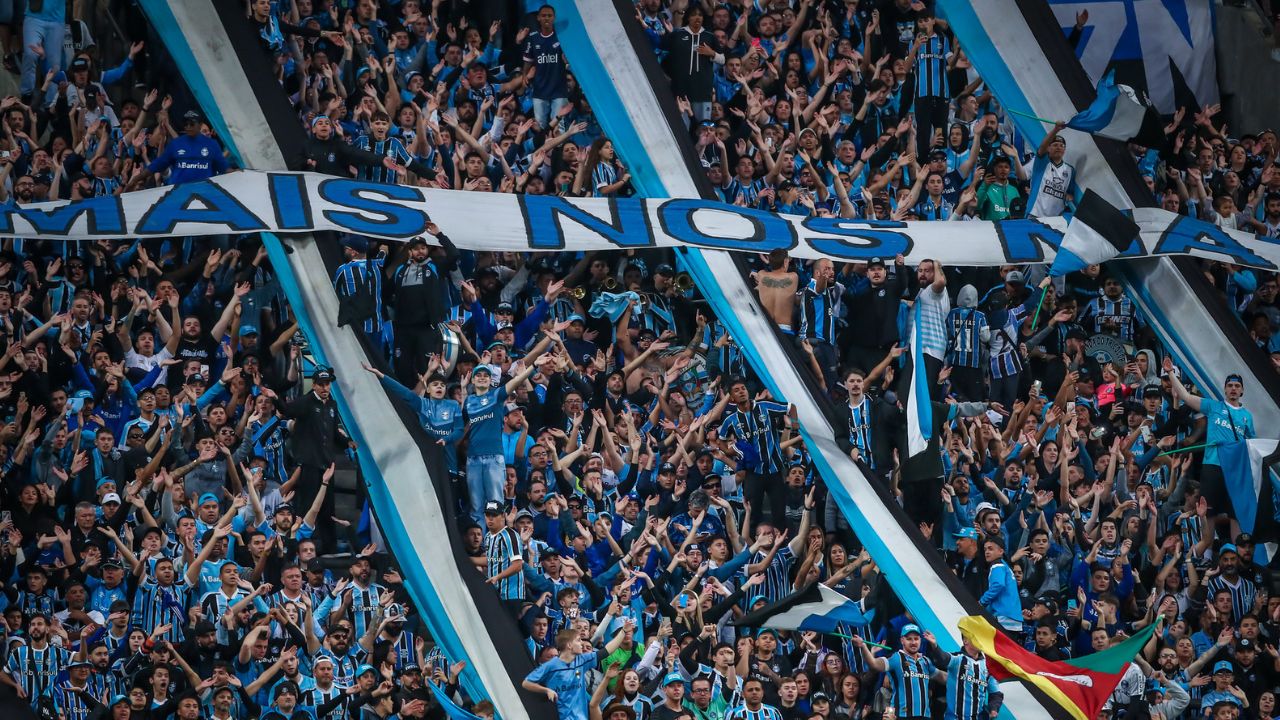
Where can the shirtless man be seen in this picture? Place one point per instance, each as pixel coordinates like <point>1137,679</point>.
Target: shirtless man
<point>641,356</point>
<point>777,288</point>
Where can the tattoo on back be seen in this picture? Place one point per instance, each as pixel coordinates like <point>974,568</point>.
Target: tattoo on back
<point>782,282</point>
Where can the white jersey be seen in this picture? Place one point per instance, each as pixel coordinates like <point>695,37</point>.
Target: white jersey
<point>1050,187</point>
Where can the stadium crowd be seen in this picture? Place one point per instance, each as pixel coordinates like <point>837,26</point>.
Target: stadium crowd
<point>169,540</point>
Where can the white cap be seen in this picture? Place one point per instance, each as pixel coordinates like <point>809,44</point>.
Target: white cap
<point>111,498</point>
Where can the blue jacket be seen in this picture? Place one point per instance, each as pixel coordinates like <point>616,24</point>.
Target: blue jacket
<point>1001,597</point>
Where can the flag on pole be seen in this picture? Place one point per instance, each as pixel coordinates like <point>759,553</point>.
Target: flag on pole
<point>917,401</point>
<point>1120,113</point>
<point>1079,686</point>
<point>1097,232</point>
<point>816,607</point>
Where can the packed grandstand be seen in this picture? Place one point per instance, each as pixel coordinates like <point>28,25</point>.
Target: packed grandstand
<point>191,526</point>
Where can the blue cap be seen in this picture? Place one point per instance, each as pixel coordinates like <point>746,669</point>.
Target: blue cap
<point>207,497</point>
<point>1228,548</point>
<point>1223,666</point>
<point>1154,686</point>
<point>970,533</point>
<point>104,480</point>
<point>672,678</point>
<point>771,631</point>
<point>248,330</point>
<point>577,318</point>
<point>910,628</point>
<point>117,699</point>
<point>756,599</point>
<point>365,669</point>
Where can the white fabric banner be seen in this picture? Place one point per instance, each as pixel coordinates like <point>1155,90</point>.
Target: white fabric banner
<point>286,202</point>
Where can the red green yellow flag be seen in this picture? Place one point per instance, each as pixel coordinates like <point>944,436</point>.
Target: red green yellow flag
<point>1080,686</point>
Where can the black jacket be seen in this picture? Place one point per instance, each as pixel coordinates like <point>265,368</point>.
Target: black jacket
<point>691,74</point>
<point>316,435</point>
<point>420,293</point>
<point>335,156</point>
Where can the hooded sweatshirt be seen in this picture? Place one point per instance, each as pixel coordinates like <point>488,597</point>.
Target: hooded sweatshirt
<point>691,73</point>
<point>967,330</point>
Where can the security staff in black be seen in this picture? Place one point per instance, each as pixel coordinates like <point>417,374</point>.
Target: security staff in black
<point>872,314</point>
<point>419,290</point>
<point>327,153</point>
<point>315,440</point>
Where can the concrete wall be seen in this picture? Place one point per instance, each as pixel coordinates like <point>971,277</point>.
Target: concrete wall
<point>1248,75</point>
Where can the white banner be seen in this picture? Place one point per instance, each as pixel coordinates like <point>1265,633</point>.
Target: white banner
<point>285,202</point>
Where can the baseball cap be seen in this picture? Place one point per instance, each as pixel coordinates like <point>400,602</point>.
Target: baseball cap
<point>1015,276</point>
<point>1228,548</point>
<point>505,307</point>
<point>493,507</point>
<point>1244,539</point>
<point>1223,666</point>
<point>524,514</point>
<point>365,669</point>
<point>248,330</point>
<point>664,269</point>
<point>191,116</point>
<point>577,318</point>
<point>910,628</point>
<point>481,369</point>
<point>876,261</point>
<point>196,378</point>
<point>819,697</point>
<point>667,468</point>
<point>79,64</point>
<point>323,375</point>
<point>204,627</point>
<point>514,407</point>
<point>937,154</point>
<point>1245,644</point>
<point>111,498</point>
<point>672,678</point>
<point>968,533</point>
<point>1048,602</point>
<point>283,507</point>
<point>786,185</point>
<point>208,498</point>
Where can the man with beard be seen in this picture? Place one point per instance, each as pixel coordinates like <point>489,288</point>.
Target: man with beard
<point>24,188</point>
<point>337,648</point>
<point>419,290</point>
<point>361,597</point>
<point>33,667</point>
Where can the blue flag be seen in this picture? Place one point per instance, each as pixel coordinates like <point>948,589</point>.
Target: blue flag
<point>451,709</point>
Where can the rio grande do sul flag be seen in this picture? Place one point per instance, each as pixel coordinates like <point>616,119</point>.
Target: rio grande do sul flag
<point>1080,686</point>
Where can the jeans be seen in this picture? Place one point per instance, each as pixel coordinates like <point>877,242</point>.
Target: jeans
<point>485,477</point>
<point>544,110</point>
<point>47,35</point>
